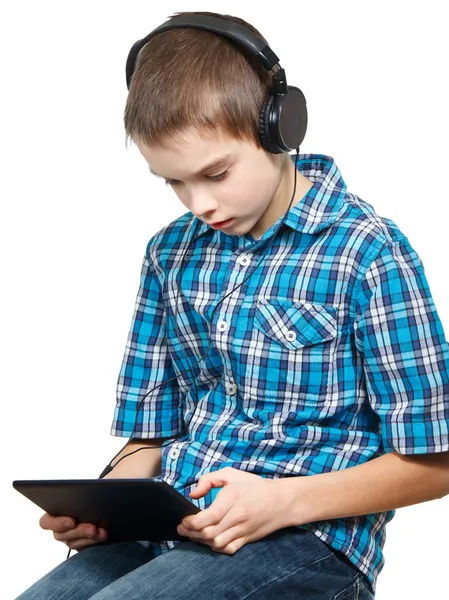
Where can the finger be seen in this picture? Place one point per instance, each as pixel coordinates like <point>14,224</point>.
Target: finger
<point>205,483</point>
<point>216,536</point>
<point>203,487</point>
<point>80,544</point>
<point>56,523</point>
<point>210,480</point>
<point>232,547</point>
<point>81,531</point>
<point>209,516</point>
<point>228,540</point>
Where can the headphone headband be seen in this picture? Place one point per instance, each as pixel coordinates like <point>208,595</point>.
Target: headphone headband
<point>234,31</point>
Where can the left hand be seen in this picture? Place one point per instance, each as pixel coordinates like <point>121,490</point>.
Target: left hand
<point>248,508</point>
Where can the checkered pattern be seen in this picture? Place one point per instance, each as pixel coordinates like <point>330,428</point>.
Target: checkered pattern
<point>330,354</point>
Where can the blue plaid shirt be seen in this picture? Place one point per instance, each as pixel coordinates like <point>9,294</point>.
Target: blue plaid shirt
<point>330,355</point>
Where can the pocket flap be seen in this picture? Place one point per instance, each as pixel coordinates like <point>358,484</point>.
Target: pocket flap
<point>296,324</point>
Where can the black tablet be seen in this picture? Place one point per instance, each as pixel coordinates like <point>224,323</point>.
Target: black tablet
<point>129,509</point>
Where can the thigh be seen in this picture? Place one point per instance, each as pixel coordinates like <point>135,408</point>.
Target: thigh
<point>88,571</point>
<point>291,563</point>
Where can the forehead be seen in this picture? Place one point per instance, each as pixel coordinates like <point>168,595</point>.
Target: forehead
<point>187,143</point>
<point>190,151</point>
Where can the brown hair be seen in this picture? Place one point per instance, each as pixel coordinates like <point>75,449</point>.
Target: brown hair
<point>190,77</point>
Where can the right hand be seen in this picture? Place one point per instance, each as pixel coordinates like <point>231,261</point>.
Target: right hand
<point>76,537</point>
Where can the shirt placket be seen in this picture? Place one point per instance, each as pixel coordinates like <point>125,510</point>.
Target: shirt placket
<point>242,261</point>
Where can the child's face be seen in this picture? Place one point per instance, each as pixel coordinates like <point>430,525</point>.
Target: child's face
<point>251,186</point>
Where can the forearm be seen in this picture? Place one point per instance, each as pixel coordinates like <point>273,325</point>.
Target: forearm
<point>385,483</point>
<point>142,464</point>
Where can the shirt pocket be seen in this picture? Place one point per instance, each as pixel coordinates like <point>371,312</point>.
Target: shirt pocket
<point>291,358</point>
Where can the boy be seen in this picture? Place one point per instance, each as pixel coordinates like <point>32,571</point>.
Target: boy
<point>322,402</point>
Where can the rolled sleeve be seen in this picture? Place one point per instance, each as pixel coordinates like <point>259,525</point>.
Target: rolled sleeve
<point>146,364</point>
<point>404,352</point>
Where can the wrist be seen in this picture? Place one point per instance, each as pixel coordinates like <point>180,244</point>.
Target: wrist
<point>292,501</point>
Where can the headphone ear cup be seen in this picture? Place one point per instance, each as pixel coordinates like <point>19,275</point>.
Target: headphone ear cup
<point>264,126</point>
<point>291,119</point>
<point>283,121</point>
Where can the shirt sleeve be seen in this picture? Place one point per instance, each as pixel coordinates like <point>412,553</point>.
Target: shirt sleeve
<point>146,364</point>
<point>404,352</point>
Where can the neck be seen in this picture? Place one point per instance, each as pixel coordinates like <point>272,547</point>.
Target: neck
<point>281,200</point>
<point>303,184</point>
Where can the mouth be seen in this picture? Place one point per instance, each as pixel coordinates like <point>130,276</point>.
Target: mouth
<point>221,224</point>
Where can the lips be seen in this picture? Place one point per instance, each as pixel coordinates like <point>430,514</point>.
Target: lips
<point>222,225</point>
<point>220,222</point>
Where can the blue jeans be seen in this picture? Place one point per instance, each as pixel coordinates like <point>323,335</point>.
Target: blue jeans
<point>291,563</point>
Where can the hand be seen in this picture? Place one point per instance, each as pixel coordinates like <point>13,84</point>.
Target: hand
<point>74,536</point>
<point>248,508</point>
<point>82,535</point>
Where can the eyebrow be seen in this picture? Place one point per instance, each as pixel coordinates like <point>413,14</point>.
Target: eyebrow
<point>218,162</point>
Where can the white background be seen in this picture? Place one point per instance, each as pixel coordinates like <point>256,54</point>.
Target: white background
<point>78,209</point>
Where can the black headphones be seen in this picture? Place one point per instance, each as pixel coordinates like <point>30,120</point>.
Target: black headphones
<point>283,116</point>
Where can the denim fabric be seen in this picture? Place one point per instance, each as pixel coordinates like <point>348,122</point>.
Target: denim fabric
<point>289,564</point>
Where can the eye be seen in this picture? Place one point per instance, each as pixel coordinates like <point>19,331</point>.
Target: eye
<point>218,177</point>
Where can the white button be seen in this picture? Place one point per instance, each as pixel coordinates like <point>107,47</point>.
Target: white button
<point>231,388</point>
<point>290,336</point>
<point>174,453</point>
<point>243,260</point>
<point>222,325</point>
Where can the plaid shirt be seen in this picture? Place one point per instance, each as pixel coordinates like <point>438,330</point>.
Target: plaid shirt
<point>331,354</point>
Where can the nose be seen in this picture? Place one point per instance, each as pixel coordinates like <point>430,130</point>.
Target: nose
<point>202,204</point>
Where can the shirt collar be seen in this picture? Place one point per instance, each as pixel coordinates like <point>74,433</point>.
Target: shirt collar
<point>319,208</point>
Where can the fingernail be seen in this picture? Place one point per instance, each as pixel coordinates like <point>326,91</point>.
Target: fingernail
<point>102,534</point>
<point>68,523</point>
<point>89,532</point>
